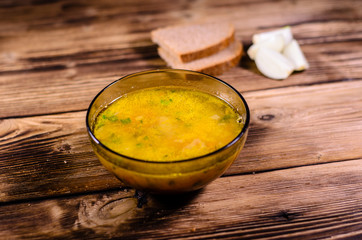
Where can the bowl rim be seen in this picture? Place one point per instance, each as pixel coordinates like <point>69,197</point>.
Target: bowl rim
<point>231,143</point>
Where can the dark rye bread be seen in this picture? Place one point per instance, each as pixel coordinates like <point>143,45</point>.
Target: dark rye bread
<point>214,64</point>
<point>189,42</point>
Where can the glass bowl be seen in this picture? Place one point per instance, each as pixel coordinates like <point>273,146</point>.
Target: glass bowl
<point>168,176</point>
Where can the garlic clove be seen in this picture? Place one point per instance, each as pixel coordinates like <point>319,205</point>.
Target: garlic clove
<point>286,32</point>
<point>275,42</point>
<point>273,64</point>
<point>294,53</point>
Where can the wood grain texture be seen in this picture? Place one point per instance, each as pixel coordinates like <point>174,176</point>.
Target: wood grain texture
<point>298,177</point>
<point>54,150</point>
<point>270,205</point>
<point>49,155</point>
<point>102,41</point>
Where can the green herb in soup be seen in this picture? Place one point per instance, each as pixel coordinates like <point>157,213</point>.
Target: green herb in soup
<point>163,124</point>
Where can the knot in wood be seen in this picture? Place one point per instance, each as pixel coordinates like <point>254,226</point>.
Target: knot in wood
<point>266,117</point>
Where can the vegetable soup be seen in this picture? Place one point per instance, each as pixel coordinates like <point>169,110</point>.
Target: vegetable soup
<point>167,124</point>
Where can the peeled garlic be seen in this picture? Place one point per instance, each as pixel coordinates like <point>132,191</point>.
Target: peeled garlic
<point>273,64</point>
<point>286,32</point>
<point>293,52</point>
<point>275,42</point>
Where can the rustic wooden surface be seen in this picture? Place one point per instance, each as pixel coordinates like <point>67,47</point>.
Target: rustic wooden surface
<point>298,177</point>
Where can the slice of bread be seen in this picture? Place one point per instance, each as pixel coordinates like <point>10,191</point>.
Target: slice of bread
<point>194,41</point>
<point>215,64</point>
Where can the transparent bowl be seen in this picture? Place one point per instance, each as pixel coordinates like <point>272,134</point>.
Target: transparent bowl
<point>170,176</point>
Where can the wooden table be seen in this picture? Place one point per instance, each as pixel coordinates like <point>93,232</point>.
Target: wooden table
<point>298,177</point>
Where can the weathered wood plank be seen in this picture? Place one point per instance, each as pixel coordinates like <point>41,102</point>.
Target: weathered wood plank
<point>102,41</point>
<point>50,155</point>
<point>269,205</point>
<point>303,125</point>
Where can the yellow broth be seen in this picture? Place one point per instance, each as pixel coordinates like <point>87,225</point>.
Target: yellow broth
<point>167,124</point>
